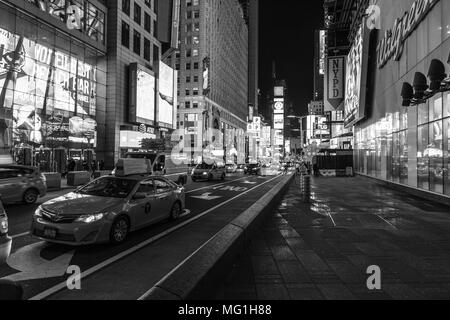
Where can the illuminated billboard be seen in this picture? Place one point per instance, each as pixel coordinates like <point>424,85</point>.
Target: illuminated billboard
<point>278,92</point>
<point>166,95</point>
<point>278,121</point>
<point>356,75</point>
<point>322,49</point>
<point>278,106</point>
<point>142,95</point>
<point>34,75</point>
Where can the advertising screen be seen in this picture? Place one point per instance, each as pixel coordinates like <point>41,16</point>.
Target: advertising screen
<point>166,94</point>
<point>356,75</point>
<point>142,94</point>
<point>278,121</point>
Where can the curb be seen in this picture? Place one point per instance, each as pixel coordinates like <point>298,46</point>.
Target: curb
<point>200,273</point>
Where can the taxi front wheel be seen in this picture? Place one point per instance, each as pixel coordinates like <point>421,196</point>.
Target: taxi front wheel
<point>119,230</point>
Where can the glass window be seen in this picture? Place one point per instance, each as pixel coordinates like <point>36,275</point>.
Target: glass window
<point>137,42</point>
<point>396,158</point>
<point>423,115</point>
<point>435,155</point>
<point>126,6</point>
<point>125,34</point>
<point>147,188</point>
<point>147,48</point>
<point>447,156</point>
<point>447,104</point>
<point>403,154</point>
<point>162,186</point>
<point>436,108</point>
<point>137,13</point>
<point>147,22</point>
<point>422,158</point>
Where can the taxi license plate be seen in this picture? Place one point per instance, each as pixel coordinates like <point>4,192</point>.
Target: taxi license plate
<point>50,233</point>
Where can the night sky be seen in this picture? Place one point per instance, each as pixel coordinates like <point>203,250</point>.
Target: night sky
<point>287,37</point>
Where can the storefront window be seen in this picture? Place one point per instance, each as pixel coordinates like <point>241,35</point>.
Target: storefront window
<point>403,156</point>
<point>52,99</point>
<point>422,158</point>
<point>447,104</point>
<point>423,114</point>
<point>78,15</point>
<point>447,156</point>
<point>396,158</point>
<point>389,156</point>
<point>434,152</point>
<point>436,108</point>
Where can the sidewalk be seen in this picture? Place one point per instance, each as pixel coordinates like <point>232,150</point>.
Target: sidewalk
<point>322,250</point>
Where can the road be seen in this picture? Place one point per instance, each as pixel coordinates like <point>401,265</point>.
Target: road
<point>127,271</point>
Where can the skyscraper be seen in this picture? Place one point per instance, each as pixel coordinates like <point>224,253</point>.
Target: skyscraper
<point>213,72</point>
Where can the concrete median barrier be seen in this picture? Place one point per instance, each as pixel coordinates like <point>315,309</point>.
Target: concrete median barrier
<point>201,272</point>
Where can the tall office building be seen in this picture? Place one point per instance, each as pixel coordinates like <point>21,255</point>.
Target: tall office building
<point>140,90</point>
<point>213,73</point>
<point>251,14</point>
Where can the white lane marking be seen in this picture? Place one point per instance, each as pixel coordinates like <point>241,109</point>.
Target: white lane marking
<point>106,263</point>
<point>331,217</point>
<point>387,222</point>
<point>31,266</point>
<point>214,185</point>
<point>207,197</point>
<point>20,235</point>
<point>204,244</point>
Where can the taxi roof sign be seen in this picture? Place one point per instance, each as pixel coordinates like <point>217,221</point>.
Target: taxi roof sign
<point>127,167</point>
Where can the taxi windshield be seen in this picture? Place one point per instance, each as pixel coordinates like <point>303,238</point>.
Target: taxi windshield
<point>204,166</point>
<point>109,187</point>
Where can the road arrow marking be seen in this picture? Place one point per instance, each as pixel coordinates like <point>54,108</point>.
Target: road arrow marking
<point>32,266</point>
<point>249,182</point>
<point>207,197</point>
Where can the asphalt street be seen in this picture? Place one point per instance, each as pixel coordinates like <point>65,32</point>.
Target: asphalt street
<point>127,271</point>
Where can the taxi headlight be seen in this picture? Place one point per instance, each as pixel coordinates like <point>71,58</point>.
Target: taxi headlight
<point>205,173</point>
<point>90,218</point>
<point>38,212</point>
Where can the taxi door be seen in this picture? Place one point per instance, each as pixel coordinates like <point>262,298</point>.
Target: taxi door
<point>164,198</point>
<point>142,205</point>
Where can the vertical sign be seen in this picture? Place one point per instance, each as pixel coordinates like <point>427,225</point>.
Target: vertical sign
<point>335,81</point>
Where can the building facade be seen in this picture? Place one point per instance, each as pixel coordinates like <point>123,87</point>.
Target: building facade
<point>137,107</point>
<point>213,77</point>
<point>402,131</point>
<point>53,80</point>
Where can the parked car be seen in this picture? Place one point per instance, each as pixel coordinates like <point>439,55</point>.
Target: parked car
<point>241,168</point>
<point>108,209</point>
<point>253,169</point>
<point>5,240</point>
<point>231,168</point>
<point>208,172</point>
<point>21,183</point>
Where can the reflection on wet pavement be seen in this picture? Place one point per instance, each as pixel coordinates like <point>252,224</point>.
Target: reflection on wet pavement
<point>321,250</point>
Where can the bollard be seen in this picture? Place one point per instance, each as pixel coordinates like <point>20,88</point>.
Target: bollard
<point>305,187</point>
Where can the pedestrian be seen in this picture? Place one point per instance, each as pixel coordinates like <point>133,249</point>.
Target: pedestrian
<point>93,168</point>
<point>71,166</point>
<point>101,165</point>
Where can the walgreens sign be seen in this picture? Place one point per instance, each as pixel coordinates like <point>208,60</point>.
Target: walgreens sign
<point>391,46</point>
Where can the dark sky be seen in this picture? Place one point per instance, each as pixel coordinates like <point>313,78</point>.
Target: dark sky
<point>287,37</point>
